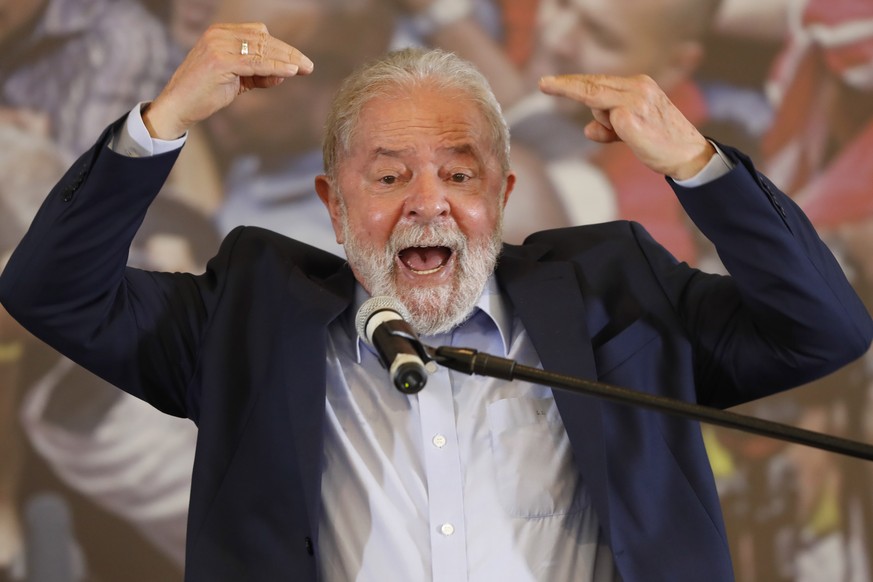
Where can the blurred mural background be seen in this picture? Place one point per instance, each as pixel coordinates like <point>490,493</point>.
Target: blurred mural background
<point>787,81</point>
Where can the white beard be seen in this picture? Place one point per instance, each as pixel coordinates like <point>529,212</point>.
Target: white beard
<point>432,309</point>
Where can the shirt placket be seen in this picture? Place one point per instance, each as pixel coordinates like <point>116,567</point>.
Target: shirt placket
<point>444,479</point>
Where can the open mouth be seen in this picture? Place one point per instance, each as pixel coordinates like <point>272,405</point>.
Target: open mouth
<point>425,260</point>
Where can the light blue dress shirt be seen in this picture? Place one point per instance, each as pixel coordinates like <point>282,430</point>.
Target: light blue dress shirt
<point>471,479</point>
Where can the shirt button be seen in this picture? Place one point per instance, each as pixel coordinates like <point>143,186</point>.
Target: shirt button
<point>447,529</point>
<point>439,441</point>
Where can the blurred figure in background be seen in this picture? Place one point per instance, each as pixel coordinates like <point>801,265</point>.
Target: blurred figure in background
<point>819,145</point>
<point>71,62</point>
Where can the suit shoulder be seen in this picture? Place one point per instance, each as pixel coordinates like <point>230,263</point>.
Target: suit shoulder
<point>253,245</point>
<point>617,236</point>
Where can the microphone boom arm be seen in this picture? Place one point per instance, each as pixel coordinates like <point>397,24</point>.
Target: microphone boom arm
<point>470,361</point>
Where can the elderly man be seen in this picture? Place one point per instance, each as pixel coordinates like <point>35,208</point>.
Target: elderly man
<point>309,464</point>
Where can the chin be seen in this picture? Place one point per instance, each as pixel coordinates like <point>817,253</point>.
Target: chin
<point>442,308</point>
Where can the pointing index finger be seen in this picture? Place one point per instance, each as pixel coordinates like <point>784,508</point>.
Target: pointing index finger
<point>599,91</point>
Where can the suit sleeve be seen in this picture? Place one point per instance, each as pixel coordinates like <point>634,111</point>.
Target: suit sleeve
<point>68,284</point>
<point>786,316</point>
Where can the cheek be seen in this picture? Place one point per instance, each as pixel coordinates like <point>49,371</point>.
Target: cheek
<point>373,224</point>
<point>478,220</point>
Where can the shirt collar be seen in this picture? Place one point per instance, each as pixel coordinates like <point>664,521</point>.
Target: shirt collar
<point>491,303</point>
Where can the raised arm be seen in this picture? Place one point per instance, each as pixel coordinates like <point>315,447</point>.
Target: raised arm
<point>787,314</point>
<point>68,283</point>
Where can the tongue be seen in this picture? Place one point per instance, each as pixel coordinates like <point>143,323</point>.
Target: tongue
<point>424,258</point>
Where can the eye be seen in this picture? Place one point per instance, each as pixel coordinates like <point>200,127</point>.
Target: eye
<point>388,180</point>
<point>460,177</point>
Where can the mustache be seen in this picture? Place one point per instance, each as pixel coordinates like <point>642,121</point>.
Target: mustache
<point>408,235</point>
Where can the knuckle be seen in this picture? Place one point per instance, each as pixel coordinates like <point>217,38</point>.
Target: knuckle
<point>644,80</point>
<point>213,32</point>
<point>647,86</point>
<point>586,87</point>
<point>263,38</point>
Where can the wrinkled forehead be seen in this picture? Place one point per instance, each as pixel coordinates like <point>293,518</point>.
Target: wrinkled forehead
<point>399,114</point>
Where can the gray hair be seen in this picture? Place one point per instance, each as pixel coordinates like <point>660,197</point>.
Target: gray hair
<point>407,69</point>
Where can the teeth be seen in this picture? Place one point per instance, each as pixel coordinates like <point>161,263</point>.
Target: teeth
<point>428,271</point>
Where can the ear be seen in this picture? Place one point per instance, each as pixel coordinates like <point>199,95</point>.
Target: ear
<point>510,185</point>
<point>330,197</point>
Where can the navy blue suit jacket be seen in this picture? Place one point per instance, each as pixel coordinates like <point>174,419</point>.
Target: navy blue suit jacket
<point>241,351</point>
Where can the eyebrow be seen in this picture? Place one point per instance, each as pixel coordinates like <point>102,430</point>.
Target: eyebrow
<point>464,148</point>
<point>390,153</point>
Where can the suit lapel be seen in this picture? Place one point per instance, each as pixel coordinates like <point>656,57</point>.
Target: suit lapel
<point>548,299</point>
<point>307,370</point>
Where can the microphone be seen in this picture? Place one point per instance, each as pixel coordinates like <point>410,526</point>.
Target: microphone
<point>381,322</point>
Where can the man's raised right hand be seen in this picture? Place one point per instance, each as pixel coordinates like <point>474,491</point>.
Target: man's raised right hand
<point>216,71</point>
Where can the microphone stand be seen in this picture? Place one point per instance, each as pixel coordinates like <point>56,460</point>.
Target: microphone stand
<point>470,361</point>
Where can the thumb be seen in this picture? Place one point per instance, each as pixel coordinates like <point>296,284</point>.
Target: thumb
<point>257,82</point>
<point>596,131</point>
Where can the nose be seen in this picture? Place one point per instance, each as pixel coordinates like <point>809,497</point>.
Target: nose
<point>427,199</point>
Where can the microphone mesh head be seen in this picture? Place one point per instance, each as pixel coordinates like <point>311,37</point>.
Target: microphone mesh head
<point>374,305</point>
